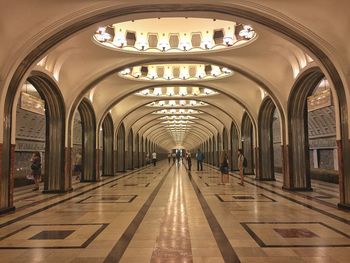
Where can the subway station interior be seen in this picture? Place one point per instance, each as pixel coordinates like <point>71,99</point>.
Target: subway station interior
<point>175,131</point>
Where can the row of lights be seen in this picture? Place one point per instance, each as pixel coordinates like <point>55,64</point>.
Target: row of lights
<point>184,72</point>
<point>117,38</point>
<point>177,111</point>
<point>175,103</point>
<point>177,92</point>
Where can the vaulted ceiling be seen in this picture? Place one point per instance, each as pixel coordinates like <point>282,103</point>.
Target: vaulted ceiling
<point>120,55</point>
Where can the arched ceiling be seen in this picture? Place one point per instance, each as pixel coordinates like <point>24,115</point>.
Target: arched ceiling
<point>268,64</point>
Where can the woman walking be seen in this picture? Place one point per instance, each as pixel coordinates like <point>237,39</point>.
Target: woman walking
<point>241,165</point>
<point>36,169</point>
<point>223,166</point>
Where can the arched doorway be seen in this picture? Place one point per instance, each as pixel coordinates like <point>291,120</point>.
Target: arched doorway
<point>137,162</point>
<point>313,145</point>
<point>108,142</point>
<point>130,158</point>
<point>121,148</point>
<point>234,147</point>
<point>247,143</point>
<point>39,128</point>
<point>88,122</point>
<point>218,149</point>
<point>266,170</point>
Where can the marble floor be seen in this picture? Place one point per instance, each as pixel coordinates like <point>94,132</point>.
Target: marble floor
<point>165,214</point>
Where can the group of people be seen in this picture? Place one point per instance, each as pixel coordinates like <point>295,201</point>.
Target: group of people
<point>153,160</point>
<point>224,165</point>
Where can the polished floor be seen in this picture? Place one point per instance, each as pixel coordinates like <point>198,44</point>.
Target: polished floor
<point>164,214</point>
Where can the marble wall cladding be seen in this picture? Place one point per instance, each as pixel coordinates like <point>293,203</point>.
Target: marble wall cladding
<point>277,154</point>
<point>22,164</point>
<point>326,160</point>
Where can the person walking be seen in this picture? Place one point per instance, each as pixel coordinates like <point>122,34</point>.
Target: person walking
<point>241,165</point>
<point>223,166</point>
<point>199,158</point>
<point>169,157</point>
<point>147,159</point>
<point>189,160</point>
<point>174,157</point>
<point>178,156</point>
<point>36,169</point>
<point>77,166</point>
<point>154,158</point>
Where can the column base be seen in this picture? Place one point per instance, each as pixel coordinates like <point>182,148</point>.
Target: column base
<point>89,181</point>
<point>344,206</point>
<point>108,175</point>
<point>57,191</point>
<point>7,210</point>
<point>306,189</point>
<point>265,179</point>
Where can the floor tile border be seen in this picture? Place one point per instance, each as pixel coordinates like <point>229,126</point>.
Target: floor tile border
<point>261,243</point>
<point>84,245</point>
<point>122,244</point>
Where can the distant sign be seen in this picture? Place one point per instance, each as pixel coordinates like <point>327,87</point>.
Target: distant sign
<point>32,103</point>
<point>319,100</point>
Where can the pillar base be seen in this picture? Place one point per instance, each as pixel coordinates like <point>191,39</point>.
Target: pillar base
<point>56,191</point>
<point>265,179</point>
<point>108,175</point>
<point>7,210</point>
<point>89,181</point>
<point>344,206</point>
<point>306,189</point>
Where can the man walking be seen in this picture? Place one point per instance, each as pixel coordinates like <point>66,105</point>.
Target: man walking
<point>199,158</point>
<point>154,158</point>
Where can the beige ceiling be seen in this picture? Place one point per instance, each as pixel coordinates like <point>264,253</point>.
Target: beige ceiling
<point>268,65</point>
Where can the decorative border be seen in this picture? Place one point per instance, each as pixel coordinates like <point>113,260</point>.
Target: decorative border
<point>261,243</point>
<point>84,245</point>
<point>82,201</point>
<point>242,200</point>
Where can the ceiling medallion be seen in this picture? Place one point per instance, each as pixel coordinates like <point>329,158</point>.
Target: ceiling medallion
<point>177,112</point>
<point>175,72</point>
<point>174,35</point>
<point>183,91</point>
<point>177,103</point>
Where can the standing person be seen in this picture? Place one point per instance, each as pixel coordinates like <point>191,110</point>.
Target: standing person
<point>189,160</point>
<point>223,166</point>
<point>154,158</point>
<point>77,166</point>
<point>169,157</point>
<point>199,158</point>
<point>174,157</point>
<point>147,159</point>
<point>241,164</point>
<point>178,156</point>
<point>36,169</point>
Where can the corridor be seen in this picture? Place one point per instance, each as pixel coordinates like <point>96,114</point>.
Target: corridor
<point>165,214</point>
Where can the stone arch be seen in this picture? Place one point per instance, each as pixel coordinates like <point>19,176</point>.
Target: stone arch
<point>247,143</point>
<point>265,169</point>
<point>130,151</point>
<point>108,142</point>
<point>55,181</point>
<point>88,122</point>
<point>137,163</point>
<point>121,148</point>
<point>234,147</point>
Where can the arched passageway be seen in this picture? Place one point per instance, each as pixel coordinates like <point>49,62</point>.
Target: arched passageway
<point>234,147</point>
<point>130,152</point>
<point>137,163</point>
<point>266,170</point>
<point>89,153</point>
<point>108,142</point>
<point>121,148</point>
<point>247,143</point>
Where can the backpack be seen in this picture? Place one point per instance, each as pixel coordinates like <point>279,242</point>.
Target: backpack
<point>245,163</point>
